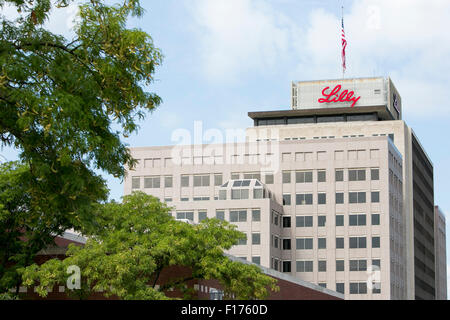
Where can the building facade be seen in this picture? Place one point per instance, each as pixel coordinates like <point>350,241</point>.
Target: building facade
<point>441,254</point>
<point>336,191</point>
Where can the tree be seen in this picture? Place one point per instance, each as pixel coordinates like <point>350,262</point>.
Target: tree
<point>59,101</point>
<point>137,240</point>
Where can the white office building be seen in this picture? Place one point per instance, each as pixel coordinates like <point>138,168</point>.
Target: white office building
<point>337,191</point>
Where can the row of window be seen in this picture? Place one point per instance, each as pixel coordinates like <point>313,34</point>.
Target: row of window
<point>307,221</point>
<point>205,180</point>
<point>155,181</point>
<point>300,199</point>
<point>307,265</point>
<point>353,198</point>
<point>255,240</point>
<point>307,243</point>
<point>353,175</point>
<point>234,215</point>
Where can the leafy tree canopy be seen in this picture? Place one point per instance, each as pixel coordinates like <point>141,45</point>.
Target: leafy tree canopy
<point>59,101</point>
<point>136,240</point>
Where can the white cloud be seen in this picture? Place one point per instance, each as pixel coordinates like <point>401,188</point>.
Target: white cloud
<point>239,36</point>
<point>405,39</point>
<point>61,20</point>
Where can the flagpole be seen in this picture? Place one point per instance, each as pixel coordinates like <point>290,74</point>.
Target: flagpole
<point>343,69</point>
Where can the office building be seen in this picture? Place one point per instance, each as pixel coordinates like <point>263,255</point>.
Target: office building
<point>336,191</point>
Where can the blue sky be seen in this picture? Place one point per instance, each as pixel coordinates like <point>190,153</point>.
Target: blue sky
<point>224,58</point>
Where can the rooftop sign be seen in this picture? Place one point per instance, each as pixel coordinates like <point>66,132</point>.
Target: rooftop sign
<point>335,95</point>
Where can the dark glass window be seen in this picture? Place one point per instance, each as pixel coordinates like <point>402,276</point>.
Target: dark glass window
<point>339,175</point>
<point>375,219</point>
<point>339,197</point>
<point>375,197</point>
<point>339,243</point>
<point>322,243</point>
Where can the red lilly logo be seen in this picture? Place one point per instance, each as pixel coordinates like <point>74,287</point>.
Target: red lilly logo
<point>335,96</point>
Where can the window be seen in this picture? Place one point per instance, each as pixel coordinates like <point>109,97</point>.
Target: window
<point>339,220</point>
<point>303,177</point>
<point>256,238</point>
<point>183,199</point>
<point>375,242</point>
<point>286,177</point>
<point>238,216</point>
<point>185,181</point>
<point>202,215</point>
<point>304,266</point>
<point>339,175</point>
<point>321,176</point>
<point>256,176</point>
<point>375,197</point>
<point>168,199</point>
<point>257,193</point>
<point>340,265</point>
<point>256,215</point>
<point>275,264</point>
<point>286,266</point>
<point>375,219</point>
<point>357,197</point>
<point>286,244</point>
<point>239,194</point>
<point>357,220</point>
<point>303,199</point>
<point>339,243</point>
<point>358,288</point>
<point>235,176</point>
<point>222,194</point>
<point>152,182</point>
<point>322,284</point>
<point>340,287</point>
<point>220,214</point>
<point>304,221</point>
<point>357,175</point>
<point>256,260</point>
<point>321,221</point>
<point>339,197</point>
<point>269,178</point>
<point>375,174</point>
<point>322,266</point>
<point>274,218</point>
<point>218,180</point>
<point>168,182</point>
<point>376,287</point>
<point>286,222</point>
<point>322,198</point>
<point>358,242</point>
<point>286,199</point>
<point>201,181</point>
<point>201,199</point>
<point>358,265</point>
<point>275,241</point>
<point>185,215</point>
<point>136,183</point>
<point>376,263</point>
<point>304,244</point>
<point>242,242</point>
<point>322,243</point>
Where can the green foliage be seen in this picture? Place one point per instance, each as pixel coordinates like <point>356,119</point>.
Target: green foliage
<point>59,101</point>
<point>136,240</point>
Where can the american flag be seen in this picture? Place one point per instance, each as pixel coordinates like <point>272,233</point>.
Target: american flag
<point>344,46</point>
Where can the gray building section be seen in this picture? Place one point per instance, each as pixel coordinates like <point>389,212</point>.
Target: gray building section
<point>441,254</point>
<point>423,208</point>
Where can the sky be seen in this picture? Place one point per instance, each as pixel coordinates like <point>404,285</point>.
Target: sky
<point>224,58</point>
